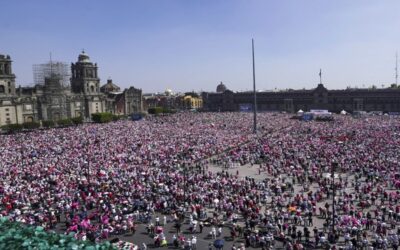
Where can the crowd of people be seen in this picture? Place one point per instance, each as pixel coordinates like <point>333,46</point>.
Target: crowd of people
<point>103,180</point>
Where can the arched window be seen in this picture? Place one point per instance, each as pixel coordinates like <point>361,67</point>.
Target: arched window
<point>2,89</point>
<point>92,88</point>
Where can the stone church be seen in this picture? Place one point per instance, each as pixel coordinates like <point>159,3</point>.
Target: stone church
<point>54,101</point>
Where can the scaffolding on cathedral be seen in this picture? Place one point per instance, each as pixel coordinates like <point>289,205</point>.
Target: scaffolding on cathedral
<point>45,70</point>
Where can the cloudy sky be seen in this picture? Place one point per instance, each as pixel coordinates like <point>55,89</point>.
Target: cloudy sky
<point>193,45</point>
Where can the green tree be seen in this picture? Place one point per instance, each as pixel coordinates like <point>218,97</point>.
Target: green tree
<point>48,124</point>
<point>155,111</point>
<point>13,127</point>
<point>64,122</point>
<point>77,120</point>
<point>31,125</point>
<point>102,117</point>
<point>15,235</point>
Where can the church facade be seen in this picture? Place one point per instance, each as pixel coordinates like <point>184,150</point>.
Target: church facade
<point>54,101</point>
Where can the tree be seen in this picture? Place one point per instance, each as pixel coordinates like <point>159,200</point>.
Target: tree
<point>11,128</point>
<point>77,120</point>
<point>102,117</point>
<point>64,122</point>
<point>48,124</point>
<point>14,235</point>
<point>31,125</point>
<point>155,111</point>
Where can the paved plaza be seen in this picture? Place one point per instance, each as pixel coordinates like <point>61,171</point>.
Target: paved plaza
<point>165,183</point>
<point>205,241</point>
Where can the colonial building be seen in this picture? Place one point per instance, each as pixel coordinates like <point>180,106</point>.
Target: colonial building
<point>122,102</point>
<point>167,100</point>
<point>54,101</point>
<point>190,100</point>
<point>350,100</point>
<point>170,100</point>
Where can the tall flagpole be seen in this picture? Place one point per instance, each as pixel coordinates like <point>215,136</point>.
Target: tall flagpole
<point>254,91</point>
<point>320,76</point>
<point>396,69</point>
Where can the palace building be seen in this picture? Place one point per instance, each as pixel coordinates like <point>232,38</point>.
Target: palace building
<point>54,100</point>
<point>350,100</point>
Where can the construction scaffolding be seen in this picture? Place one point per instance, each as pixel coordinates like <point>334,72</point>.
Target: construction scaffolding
<point>52,68</point>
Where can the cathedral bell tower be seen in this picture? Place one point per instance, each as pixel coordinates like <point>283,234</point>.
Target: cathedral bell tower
<point>7,78</point>
<point>84,77</point>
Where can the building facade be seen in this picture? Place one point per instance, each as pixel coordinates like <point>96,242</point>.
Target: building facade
<point>55,101</point>
<point>350,100</point>
<point>176,101</point>
<point>190,101</point>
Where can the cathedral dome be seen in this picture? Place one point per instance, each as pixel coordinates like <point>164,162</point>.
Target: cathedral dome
<point>83,57</point>
<point>168,92</point>
<point>109,87</point>
<point>221,88</point>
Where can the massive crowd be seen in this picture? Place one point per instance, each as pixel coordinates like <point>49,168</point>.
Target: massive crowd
<point>102,180</point>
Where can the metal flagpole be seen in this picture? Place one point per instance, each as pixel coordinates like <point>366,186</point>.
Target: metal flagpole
<point>254,91</point>
<point>396,69</point>
<point>320,76</point>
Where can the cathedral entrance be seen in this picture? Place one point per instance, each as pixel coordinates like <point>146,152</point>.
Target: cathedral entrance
<point>56,117</point>
<point>29,119</point>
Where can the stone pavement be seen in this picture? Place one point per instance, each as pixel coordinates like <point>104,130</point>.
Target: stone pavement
<point>203,239</point>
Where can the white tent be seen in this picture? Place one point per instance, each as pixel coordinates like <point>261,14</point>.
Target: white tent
<point>343,112</point>
<point>300,111</point>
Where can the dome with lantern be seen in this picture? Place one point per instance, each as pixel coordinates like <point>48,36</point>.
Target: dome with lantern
<point>83,57</point>
<point>221,88</point>
<point>168,92</point>
<point>110,87</point>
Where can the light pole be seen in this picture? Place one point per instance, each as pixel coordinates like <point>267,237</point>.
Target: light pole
<point>254,91</point>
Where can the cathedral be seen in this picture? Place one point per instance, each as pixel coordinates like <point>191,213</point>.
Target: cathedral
<point>55,101</point>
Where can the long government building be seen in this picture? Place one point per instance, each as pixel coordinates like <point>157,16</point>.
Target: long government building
<point>54,100</point>
<point>350,100</point>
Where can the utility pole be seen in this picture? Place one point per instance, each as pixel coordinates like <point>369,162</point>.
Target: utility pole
<point>254,91</point>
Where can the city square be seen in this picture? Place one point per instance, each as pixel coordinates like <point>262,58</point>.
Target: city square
<point>269,190</point>
<point>199,125</point>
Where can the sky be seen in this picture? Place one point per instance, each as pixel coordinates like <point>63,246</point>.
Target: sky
<point>193,45</point>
